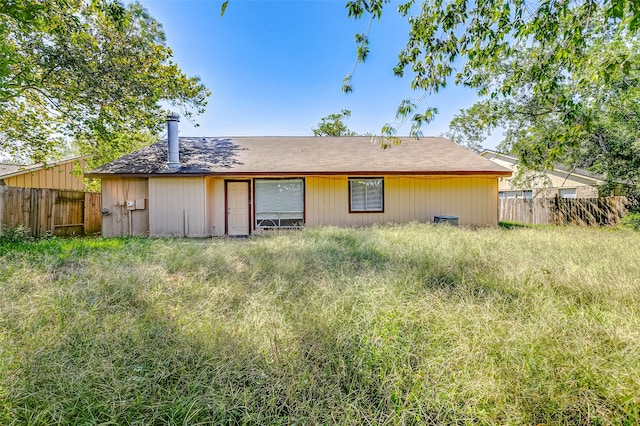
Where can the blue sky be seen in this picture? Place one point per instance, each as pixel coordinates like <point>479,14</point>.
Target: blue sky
<point>275,68</point>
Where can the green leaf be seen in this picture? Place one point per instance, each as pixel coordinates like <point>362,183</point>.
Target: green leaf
<point>90,74</point>
<point>346,84</point>
<point>223,8</point>
<point>332,125</point>
<point>405,108</point>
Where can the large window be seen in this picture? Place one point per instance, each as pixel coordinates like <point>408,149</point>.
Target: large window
<point>279,203</point>
<point>366,195</point>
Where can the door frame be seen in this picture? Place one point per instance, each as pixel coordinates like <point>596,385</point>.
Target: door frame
<point>226,204</point>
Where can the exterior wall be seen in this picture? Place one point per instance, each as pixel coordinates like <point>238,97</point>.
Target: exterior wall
<point>473,199</point>
<point>210,187</point>
<point>549,185</point>
<point>55,177</point>
<point>586,192</point>
<point>195,206</point>
<point>120,221</point>
<point>216,204</point>
<point>178,206</point>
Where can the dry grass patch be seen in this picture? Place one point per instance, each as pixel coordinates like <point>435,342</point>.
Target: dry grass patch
<point>397,324</point>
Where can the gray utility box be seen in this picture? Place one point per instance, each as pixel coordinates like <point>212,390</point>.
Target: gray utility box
<point>451,220</point>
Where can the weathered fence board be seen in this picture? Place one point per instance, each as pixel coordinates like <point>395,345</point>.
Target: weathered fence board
<point>48,211</point>
<point>605,211</point>
<point>68,213</point>
<point>92,213</point>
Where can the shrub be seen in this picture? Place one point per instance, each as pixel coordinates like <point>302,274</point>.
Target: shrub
<point>631,220</point>
<point>15,234</point>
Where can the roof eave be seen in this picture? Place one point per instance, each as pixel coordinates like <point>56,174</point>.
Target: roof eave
<point>31,168</point>
<point>497,173</point>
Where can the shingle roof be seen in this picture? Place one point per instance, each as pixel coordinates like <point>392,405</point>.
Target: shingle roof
<point>302,155</point>
<point>9,170</point>
<point>6,169</point>
<point>490,154</point>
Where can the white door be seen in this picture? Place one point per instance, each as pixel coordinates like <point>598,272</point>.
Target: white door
<point>237,208</point>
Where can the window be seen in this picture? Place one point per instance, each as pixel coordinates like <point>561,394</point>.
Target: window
<point>527,194</point>
<point>509,195</point>
<point>567,193</point>
<point>366,195</point>
<point>279,203</point>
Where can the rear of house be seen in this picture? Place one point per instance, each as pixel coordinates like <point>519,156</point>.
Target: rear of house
<point>239,186</point>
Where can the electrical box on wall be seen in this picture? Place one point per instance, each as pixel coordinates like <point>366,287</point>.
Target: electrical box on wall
<point>131,205</point>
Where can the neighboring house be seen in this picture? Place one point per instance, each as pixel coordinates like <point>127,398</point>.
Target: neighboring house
<point>58,175</point>
<point>241,185</point>
<point>576,183</point>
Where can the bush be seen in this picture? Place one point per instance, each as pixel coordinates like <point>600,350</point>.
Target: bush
<point>15,234</point>
<point>631,220</point>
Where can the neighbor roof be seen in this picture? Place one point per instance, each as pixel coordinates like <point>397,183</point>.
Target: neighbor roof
<point>10,170</point>
<point>303,155</point>
<point>7,169</point>
<point>488,153</point>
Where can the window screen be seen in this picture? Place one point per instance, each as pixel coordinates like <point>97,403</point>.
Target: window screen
<point>568,193</point>
<point>366,194</point>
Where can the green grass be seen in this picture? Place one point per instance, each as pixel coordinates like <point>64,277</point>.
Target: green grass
<point>411,324</point>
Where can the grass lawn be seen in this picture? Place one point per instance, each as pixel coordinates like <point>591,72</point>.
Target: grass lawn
<point>412,324</point>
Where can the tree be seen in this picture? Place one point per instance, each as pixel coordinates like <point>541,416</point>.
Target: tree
<point>468,40</point>
<point>472,126</point>
<point>588,118</point>
<point>560,76</point>
<point>92,73</point>
<point>332,125</point>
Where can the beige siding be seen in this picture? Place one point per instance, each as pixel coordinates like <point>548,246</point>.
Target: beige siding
<point>473,199</point>
<point>56,177</point>
<point>549,184</point>
<point>177,206</point>
<point>120,221</point>
<point>209,206</point>
<point>551,181</point>
<point>215,206</point>
<point>195,206</point>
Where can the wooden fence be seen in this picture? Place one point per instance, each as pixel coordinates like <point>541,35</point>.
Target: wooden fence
<point>50,211</point>
<point>605,211</point>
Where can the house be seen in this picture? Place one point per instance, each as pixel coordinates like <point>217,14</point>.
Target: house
<point>58,175</point>
<point>562,182</point>
<point>242,185</point>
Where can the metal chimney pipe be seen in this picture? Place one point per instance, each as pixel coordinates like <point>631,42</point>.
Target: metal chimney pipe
<point>172,136</point>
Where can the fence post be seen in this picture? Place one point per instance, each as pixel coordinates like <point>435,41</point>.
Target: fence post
<point>52,211</point>
<point>34,212</point>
